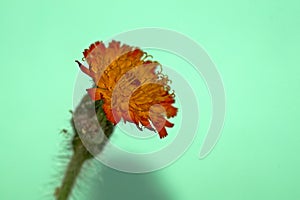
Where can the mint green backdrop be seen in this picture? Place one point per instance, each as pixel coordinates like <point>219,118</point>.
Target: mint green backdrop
<point>255,45</point>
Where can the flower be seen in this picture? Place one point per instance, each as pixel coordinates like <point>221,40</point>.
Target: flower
<point>130,86</point>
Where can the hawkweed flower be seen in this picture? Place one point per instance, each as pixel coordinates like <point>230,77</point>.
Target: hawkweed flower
<point>130,85</point>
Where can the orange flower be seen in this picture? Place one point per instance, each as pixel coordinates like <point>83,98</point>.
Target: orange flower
<point>129,85</point>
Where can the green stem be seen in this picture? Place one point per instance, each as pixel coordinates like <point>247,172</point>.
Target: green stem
<point>79,157</point>
<point>85,110</point>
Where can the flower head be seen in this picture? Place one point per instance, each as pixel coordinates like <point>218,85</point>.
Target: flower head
<point>130,86</point>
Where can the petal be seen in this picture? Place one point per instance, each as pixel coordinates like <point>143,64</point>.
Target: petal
<point>85,70</point>
<point>94,93</point>
<point>168,124</point>
<point>162,133</point>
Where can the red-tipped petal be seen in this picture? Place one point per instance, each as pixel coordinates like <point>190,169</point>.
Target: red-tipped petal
<point>168,124</point>
<point>94,93</point>
<point>162,133</point>
<point>109,114</point>
<point>171,111</point>
<point>116,116</point>
<point>83,68</point>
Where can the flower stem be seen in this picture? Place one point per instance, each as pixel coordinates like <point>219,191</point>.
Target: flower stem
<point>79,157</point>
<point>85,128</point>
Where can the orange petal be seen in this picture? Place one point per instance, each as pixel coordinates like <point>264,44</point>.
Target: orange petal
<point>171,111</point>
<point>94,93</point>
<point>162,133</point>
<point>168,124</point>
<point>109,114</point>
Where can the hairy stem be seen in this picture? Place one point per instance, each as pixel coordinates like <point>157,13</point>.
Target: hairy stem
<point>79,157</point>
<point>87,122</point>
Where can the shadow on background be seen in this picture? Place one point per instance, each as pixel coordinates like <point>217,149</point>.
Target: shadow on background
<point>119,185</point>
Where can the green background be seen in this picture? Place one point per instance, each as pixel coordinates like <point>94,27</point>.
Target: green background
<point>254,44</point>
